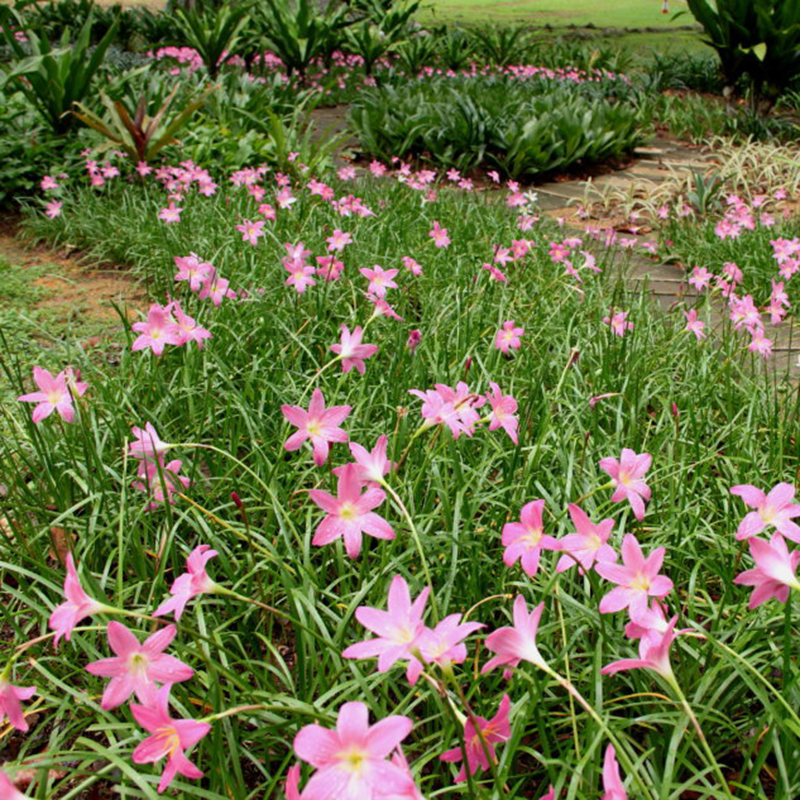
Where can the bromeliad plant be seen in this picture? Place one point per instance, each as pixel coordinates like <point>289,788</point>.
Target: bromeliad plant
<point>759,39</point>
<point>137,133</point>
<point>52,76</point>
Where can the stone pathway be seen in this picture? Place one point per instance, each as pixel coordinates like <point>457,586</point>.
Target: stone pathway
<point>667,282</point>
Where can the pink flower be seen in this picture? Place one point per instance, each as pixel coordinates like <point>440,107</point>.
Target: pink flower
<point>160,480</point>
<point>137,667</point>
<point>338,241</point>
<point>216,288</point>
<point>55,394</point>
<point>10,697</point>
<point>636,580</point>
<point>292,786</point>
<point>414,338</point>
<point>190,584</point>
<point>612,783</point>
<point>619,323</point>
<point>77,606</point>
<point>351,761</point>
<point>507,337</point>
<point>187,329</point>
<point>371,465</point>
<point>48,183</point>
<point>444,645</point>
<point>588,545</point>
<point>147,443</point>
<point>170,214</point>
<point>329,268</point>
<point>653,654</point>
<point>517,643</point>
<point>159,331</point>
<point>193,271</point>
<point>494,731</point>
<point>774,573</point>
<point>350,513</point>
<point>694,325</point>
<point>412,266</point>
<point>318,424</point>
<point>170,737</point>
<point>503,414</point>
<point>299,274</point>
<point>396,630</point>
<point>53,209</point>
<point>380,280</point>
<point>439,235</point>
<point>8,791</point>
<point>351,351</point>
<point>759,343</point>
<point>775,509</point>
<point>525,540</point>
<point>496,273</point>
<point>626,476</point>
<point>251,231</point>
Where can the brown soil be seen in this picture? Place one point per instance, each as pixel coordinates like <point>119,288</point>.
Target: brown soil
<point>74,290</point>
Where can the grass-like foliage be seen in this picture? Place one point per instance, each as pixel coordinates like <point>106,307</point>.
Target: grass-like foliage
<point>563,370</point>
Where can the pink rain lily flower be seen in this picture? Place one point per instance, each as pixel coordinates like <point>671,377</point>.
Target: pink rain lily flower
<point>159,331</point>
<point>627,477</point>
<point>77,606</point>
<point>396,630</point>
<point>55,394</point>
<point>380,280</point>
<point>53,208</point>
<point>8,791</point>
<point>612,783</point>
<point>412,266</point>
<point>371,465</point>
<point>351,761</point>
<point>147,443</point>
<point>351,351</point>
<point>170,214</point>
<point>637,579</point>
<point>251,231</point>
<point>350,514</point>
<point>444,644</point>
<point>694,325</point>
<point>775,510</point>
<point>10,705</point>
<point>169,737</point>
<point>439,235</point>
<point>525,540</point>
<point>216,288</point>
<point>318,424</point>
<point>156,478</point>
<point>618,323</point>
<point>494,731</point>
<point>338,241</point>
<point>195,581</point>
<point>588,545</point>
<point>517,643</point>
<point>300,274</point>
<point>187,329</point>
<point>508,337</point>
<point>653,654</point>
<point>774,572</point>
<point>192,270</point>
<point>138,667</point>
<point>504,412</point>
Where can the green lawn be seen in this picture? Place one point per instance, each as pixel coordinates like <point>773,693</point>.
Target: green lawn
<point>601,13</point>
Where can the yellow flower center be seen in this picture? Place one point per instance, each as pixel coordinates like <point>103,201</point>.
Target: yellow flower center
<point>54,398</point>
<point>353,759</point>
<point>348,512</point>
<point>641,582</point>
